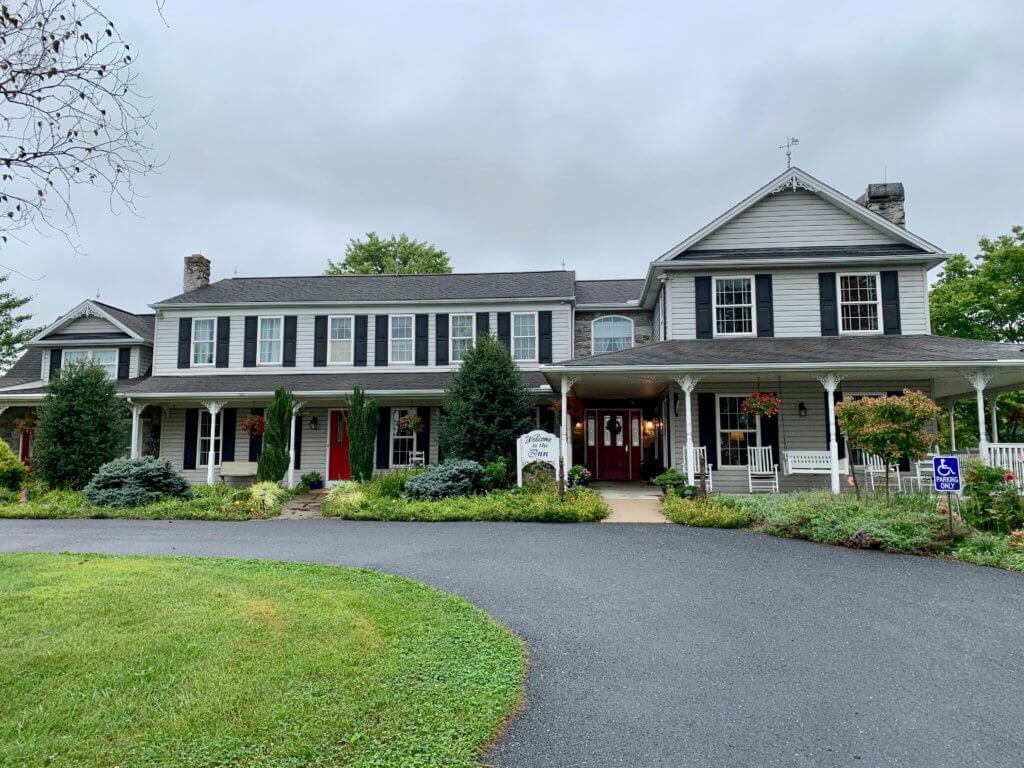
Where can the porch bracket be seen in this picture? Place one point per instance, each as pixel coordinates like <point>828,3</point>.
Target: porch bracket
<point>979,379</point>
<point>687,384</point>
<point>214,407</point>
<point>830,381</point>
<point>291,444</point>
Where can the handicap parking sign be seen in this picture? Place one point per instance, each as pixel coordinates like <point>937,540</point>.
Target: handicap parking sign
<point>946,470</point>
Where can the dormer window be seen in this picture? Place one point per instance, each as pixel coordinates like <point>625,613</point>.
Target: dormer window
<point>860,303</point>
<point>204,331</point>
<point>107,358</point>
<point>734,306</point>
<point>610,334</point>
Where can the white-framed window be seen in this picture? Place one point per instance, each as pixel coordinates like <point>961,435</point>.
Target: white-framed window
<point>610,334</point>
<point>403,441</point>
<point>208,441</point>
<point>340,334</point>
<point>733,303</point>
<point>524,336</point>
<point>204,335</point>
<point>401,339</point>
<point>736,431</point>
<point>103,357</point>
<point>271,340</point>
<point>461,336</point>
<point>860,303</point>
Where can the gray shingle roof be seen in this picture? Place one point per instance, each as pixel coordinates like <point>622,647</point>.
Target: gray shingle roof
<point>691,353</point>
<point>809,252</point>
<point>608,291</point>
<point>141,324</point>
<point>26,368</point>
<point>381,288</point>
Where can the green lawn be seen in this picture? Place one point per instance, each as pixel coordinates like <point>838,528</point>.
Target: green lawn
<point>125,661</point>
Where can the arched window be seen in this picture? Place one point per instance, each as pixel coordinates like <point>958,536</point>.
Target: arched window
<point>610,334</point>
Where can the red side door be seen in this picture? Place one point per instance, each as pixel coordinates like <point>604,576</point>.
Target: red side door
<point>613,445</point>
<point>337,455</point>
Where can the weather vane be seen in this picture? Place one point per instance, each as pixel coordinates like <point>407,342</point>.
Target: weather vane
<point>788,146</point>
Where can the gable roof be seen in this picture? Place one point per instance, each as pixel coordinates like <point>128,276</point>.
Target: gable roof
<point>375,289</point>
<point>608,291</point>
<point>137,327</point>
<point>27,369</point>
<point>798,179</point>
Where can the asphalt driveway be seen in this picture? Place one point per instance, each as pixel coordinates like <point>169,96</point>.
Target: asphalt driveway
<point>667,646</point>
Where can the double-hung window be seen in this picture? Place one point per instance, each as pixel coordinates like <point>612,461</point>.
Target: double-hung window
<point>339,340</point>
<point>403,441</point>
<point>736,432</point>
<point>204,332</point>
<point>610,334</point>
<point>106,358</point>
<point>271,340</point>
<point>461,335</point>
<point>734,306</point>
<point>209,442</point>
<point>859,303</point>
<point>401,339</point>
<point>524,336</point>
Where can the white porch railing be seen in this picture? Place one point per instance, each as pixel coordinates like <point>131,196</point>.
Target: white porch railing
<point>1008,456</point>
<point>809,463</point>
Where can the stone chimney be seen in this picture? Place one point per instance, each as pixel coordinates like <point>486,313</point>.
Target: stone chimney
<point>197,272</point>
<point>886,200</point>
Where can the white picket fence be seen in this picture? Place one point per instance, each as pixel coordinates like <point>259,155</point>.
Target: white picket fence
<point>1008,456</point>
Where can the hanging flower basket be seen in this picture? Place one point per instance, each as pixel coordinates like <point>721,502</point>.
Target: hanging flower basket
<point>573,405</point>
<point>27,424</point>
<point>761,404</point>
<point>253,424</point>
<point>411,422</point>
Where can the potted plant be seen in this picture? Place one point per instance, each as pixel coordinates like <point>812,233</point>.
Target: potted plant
<point>579,475</point>
<point>674,480</point>
<point>253,424</point>
<point>313,480</point>
<point>27,424</point>
<point>573,405</point>
<point>410,422</point>
<point>761,404</point>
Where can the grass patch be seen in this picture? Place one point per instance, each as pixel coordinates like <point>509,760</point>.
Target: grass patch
<point>207,662</point>
<point>353,501</point>
<point>208,502</point>
<point>712,512</point>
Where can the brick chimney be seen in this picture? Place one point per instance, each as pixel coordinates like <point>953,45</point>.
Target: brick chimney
<point>886,200</point>
<point>197,272</point>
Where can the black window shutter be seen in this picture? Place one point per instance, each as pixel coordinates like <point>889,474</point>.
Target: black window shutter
<point>705,323</point>
<point>227,439</point>
<point>56,357</point>
<point>765,308</point>
<point>320,341</point>
<point>441,338</point>
<point>422,326</point>
<point>255,441</point>
<point>223,341</point>
<point>384,439</point>
<point>483,323</point>
<point>298,440</point>
<point>891,303</point>
<point>249,347</point>
<point>124,361</point>
<point>505,329</point>
<point>184,342</point>
<point>828,304</point>
<point>359,348</point>
<point>544,324</point>
<point>423,438</point>
<point>380,348</point>
<point>834,422</point>
<point>290,333</point>
<point>188,460</point>
<point>770,436</point>
<point>707,426</point>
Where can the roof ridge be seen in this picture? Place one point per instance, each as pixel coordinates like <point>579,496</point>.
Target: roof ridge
<point>407,274</point>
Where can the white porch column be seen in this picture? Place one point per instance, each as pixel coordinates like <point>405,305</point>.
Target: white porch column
<point>136,437</point>
<point>995,420</point>
<point>687,384</point>
<point>291,445</point>
<point>952,426</point>
<point>979,379</point>
<point>214,408</point>
<point>830,382</point>
<point>564,427</point>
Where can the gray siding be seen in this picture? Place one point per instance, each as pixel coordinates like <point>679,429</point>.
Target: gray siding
<point>793,219</point>
<point>656,315</point>
<point>89,325</point>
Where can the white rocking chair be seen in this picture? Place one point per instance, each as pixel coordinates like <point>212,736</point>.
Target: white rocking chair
<point>700,458</point>
<point>874,472</point>
<point>762,471</point>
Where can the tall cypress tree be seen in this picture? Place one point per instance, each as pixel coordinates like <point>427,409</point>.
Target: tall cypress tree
<point>274,459</point>
<point>13,331</point>
<point>363,417</point>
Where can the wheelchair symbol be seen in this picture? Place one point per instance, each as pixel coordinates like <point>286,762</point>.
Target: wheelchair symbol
<point>944,470</point>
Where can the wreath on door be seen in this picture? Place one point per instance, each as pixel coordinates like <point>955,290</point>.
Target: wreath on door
<point>614,425</point>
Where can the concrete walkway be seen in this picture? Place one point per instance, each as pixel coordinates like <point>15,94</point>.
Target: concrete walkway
<point>631,502</point>
<point>301,507</point>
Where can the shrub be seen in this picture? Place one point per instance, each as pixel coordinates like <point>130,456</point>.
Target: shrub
<point>712,512</point>
<point>12,471</point>
<point>992,502</point>
<point>267,498</point>
<point>991,550</point>
<point>539,475</point>
<point>391,484</point>
<point>451,478</point>
<point>274,458</point>
<point>674,480</point>
<point>135,483</point>
<point>1015,540</point>
<point>363,418</point>
<point>496,473</point>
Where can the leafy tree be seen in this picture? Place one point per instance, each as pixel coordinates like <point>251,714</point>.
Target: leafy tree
<point>892,428</point>
<point>363,418</point>
<point>13,331</point>
<point>82,426</point>
<point>274,458</point>
<point>395,256</point>
<point>486,405</point>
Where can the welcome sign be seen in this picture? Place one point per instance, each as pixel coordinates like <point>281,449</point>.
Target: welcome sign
<point>534,446</point>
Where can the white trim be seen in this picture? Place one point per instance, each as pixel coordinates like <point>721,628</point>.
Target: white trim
<point>878,302</point>
<point>213,341</point>
<point>85,309</point>
<point>412,339</point>
<point>199,437</point>
<point>714,307</point>
<point>451,338</point>
<point>352,339</point>
<point>632,331</point>
<point>512,337</point>
<point>259,339</point>
<point>91,358</point>
<point>719,430</point>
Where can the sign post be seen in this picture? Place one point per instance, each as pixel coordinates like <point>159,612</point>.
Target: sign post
<point>946,477</point>
<point>535,446</point>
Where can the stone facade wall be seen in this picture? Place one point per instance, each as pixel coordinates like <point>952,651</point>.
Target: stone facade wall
<point>643,330</point>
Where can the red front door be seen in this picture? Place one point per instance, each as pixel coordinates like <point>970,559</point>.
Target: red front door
<point>337,454</point>
<point>613,445</point>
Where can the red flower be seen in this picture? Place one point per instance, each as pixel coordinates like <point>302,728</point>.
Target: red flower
<point>1009,477</point>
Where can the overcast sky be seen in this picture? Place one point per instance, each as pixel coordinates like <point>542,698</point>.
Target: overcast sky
<point>520,135</point>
